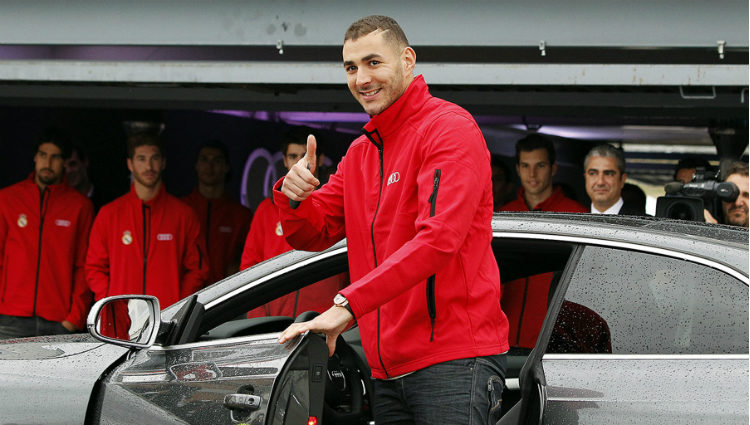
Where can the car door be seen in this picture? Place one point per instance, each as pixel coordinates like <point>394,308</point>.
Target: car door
<point>640,337</point>
<point>251,379</point>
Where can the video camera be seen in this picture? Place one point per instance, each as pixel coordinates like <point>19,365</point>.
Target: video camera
<point>686,201</point>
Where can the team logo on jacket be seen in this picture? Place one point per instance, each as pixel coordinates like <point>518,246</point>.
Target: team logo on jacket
<point>62,223</point>
<point>127,237</point>
<point>394,178</point>
<point>164,237</point>
<point>22,220</point>
<point>279,230</point>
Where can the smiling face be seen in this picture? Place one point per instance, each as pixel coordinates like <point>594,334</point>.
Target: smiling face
<point>604,181</point>
<point>378,71</point>
<point>535,172</point>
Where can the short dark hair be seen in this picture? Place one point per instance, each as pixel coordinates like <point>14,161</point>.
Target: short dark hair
<point>607,151</point>
<point>144,139</point>
<point>56,137</point>
<point>692,163</point>
<point>737,167</point>
<point>80,151</point>
<point>533,142</point>
<point>297,135</point>
<point>214,144</point>
<point>391,29</point>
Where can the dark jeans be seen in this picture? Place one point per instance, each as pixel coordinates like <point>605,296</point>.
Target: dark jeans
<point>21,327</point>
<point>465,391</point>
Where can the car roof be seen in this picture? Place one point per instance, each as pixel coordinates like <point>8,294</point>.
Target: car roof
<point>727,245</point>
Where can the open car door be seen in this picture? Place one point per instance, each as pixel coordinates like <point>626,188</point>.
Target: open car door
<point>250,379</point>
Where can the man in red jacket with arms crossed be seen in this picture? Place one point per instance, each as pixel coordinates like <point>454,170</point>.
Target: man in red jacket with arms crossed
<point>413,197</point>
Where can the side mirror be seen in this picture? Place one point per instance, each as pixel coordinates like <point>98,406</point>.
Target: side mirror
<point>125,320</point>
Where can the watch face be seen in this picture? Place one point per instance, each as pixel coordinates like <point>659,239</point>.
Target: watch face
<point>339,299</point>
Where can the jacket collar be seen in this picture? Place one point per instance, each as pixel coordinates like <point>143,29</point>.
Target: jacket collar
<point>388,121</point>
<point>546,205</point>
<point>52,188</point>
<point>156,199</point>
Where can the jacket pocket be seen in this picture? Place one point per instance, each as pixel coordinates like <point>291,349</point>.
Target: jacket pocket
<point>431,309</point>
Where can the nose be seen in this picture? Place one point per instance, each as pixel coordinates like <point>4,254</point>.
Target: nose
<point>363,77</point>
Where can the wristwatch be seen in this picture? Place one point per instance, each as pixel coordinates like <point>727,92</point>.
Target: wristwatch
<point>341,301</point>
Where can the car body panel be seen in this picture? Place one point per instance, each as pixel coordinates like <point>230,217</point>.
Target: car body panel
<point>50,379</point>
<point>646,390</point>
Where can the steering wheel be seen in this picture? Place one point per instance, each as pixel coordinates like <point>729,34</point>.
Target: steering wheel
<point>348,388</point>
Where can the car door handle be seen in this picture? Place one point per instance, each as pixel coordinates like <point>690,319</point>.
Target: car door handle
<point>242,401</point>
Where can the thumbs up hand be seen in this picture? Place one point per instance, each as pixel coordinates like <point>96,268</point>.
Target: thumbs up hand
<point>300,181</point>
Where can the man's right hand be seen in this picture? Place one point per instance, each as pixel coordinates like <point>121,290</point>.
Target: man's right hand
<point>300,181</point>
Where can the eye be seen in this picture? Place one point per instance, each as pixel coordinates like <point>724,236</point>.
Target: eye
<point>374,62</point>
<point>350,68</point>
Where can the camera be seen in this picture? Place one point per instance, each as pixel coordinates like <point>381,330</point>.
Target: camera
<point>686,201</point>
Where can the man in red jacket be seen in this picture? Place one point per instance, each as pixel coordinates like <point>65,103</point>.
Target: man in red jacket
<point>525,300</point>
<point>413,197</point>
<point>224,221</point>
<point>535,164</point>
<point>266,240</point>
<point>44,228</point>
<point>146,241</point>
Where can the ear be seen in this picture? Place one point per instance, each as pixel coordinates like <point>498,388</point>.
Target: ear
<point>130,165</point>
<point>554,169</point>
<point>409,58</point>
<point>623,178</point>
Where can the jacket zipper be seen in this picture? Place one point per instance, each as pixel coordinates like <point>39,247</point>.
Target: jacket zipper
<point>372,225</point>
<point>42,213</point>
<point>431,310</point>
<point>144,209</point>
<point>208,224</point>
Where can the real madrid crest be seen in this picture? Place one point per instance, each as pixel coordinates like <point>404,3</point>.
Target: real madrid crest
<point>127,237</point>
<point>279,230</point>
<point>22,220</point>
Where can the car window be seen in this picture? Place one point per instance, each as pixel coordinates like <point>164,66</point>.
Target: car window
<point>626,302</point>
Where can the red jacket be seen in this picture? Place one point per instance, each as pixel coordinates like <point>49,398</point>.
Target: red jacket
<point>416,192</point>
<point>557,202</point>
<point>175,265</point>
<point>43,275</point>
<point>266,240</point>
<point>525,300</point>
<point>224,225</point>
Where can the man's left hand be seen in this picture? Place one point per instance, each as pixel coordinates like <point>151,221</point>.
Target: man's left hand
<point>331,323</point>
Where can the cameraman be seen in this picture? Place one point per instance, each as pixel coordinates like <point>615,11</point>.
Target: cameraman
<point>735,213</point>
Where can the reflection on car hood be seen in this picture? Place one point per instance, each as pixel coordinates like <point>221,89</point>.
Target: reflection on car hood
<point>46,347</point>
<point>51,376</point>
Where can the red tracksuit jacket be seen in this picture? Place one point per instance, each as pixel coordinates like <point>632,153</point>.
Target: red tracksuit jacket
<point>266,240</point>
<point>43,240</point>
<point>224,225</point>
<point>525,300</point>
<point>166,229</point>
<point>413,197</point>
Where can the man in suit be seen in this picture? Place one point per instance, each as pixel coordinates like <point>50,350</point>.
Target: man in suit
<point>604,171</point>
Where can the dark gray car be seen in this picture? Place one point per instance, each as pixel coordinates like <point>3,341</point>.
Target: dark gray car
<point>646,322</point>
